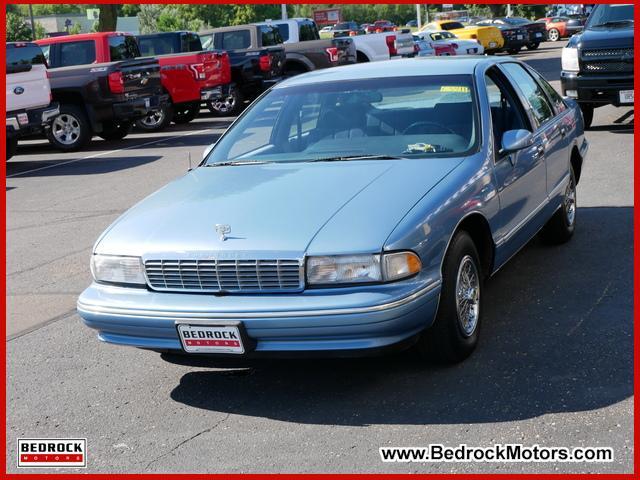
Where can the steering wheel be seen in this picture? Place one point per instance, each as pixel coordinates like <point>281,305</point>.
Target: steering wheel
<point>437,126</point>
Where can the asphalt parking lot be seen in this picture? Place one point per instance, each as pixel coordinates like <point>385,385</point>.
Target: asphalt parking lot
<point>554,366</point>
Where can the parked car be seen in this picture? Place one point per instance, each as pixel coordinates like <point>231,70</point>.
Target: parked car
<point>257,62</point>
<point>515,38</point>
<point>488,36</point>
<point>381,26</point>
<point>189,75</point>
<point>327,29</point>
<point>383,46</point>
<point>536,32</point>
<point>306,51</point>
<point>461,47</point>
<point>97,97</point>
<point>29,109</point>
<point>561,27</point>
<point>376,200</point>
<point>597,64</point>
<point>412,24</point>
<point>427,48</point>
<point>345,29</point>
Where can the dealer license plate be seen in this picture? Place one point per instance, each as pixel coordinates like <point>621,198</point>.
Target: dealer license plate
<point>538,34</point>
<point>210,338</point>
<point>147,102</point>
<point>626,96</point>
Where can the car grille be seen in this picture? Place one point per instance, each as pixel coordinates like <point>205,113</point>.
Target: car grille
<point>608,67</point>
<point>607,60</point>
<point>225,275</point>
<point>607,52</point>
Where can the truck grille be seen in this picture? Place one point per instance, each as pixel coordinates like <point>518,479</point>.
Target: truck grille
<point>607,52</point>
<point>608,67</point>
<point>607,60</point>
<point>225,275</point>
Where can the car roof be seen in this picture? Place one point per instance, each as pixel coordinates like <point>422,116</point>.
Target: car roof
<point>410,67</point>
<point>79,36</point>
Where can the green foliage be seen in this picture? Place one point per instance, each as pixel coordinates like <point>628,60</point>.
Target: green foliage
<point>148,17</point>
<point>130,10</point>
<point>40,31</point>
<point>17,29</point>
<point>75,29</point>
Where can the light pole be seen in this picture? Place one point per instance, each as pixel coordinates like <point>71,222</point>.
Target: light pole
<point>33,23</point>
<point>284,11</point>
<point>418,16</point>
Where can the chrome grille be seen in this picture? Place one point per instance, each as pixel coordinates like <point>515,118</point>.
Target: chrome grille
<point>607,52</point>
<point>212,275</point>
<point>609,67</point>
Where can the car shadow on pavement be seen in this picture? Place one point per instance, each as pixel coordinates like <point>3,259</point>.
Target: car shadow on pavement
<point>85,167</point>
<point>557,337</point>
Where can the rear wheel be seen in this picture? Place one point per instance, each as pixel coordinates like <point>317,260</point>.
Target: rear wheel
<point>513,51</point>
<point>587,114</point>
<point>533,46</point>
<point>559,229</point>
<point>70,129</point>
<point>553,35</point>
<point>186,113</point>
<point>115,131</point>
<point>156,120</point>
<point>227,105</point>
<point>455,331</point>
<point>12,146</point>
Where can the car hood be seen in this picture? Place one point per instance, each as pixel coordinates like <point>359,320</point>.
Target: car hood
<point>620,37</point>
<point>292,208</point>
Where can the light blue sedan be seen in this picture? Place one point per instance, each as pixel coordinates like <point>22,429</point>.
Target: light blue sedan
<point>347,211</point>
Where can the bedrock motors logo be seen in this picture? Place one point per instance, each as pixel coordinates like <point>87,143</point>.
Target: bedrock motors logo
<point>52,452</point>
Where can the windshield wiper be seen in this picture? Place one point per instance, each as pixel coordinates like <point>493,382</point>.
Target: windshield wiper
<point>236,162</point>
<point>356,157</point>
<point>613,23</point>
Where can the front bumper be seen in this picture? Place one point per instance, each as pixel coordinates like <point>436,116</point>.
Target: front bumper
<point>599,89</point>
<point>313,321</point>
<point>139,107</point>
<point>27,122</point>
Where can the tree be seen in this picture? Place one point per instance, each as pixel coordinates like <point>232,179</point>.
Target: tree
<point>148,17</point>
<point>40,31</point>
<point>108,21</point>
<point>130,10</point>
<point>75,29</point>
<point>17,29</point>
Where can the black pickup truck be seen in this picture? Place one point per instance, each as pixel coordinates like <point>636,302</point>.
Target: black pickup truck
<point>102,99</point>
<point>257,60</point>
<point>597,64</point>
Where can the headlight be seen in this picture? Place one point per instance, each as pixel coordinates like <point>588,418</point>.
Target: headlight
<point>118,270</point>
<point>356,269</point>
<point>570,59</point>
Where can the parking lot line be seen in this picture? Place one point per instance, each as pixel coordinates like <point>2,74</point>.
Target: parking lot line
<point>101,154</point>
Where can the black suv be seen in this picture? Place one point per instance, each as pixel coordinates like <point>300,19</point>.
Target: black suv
<point>597,64</point>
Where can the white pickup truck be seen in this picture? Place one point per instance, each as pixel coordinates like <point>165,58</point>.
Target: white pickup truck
<point>28,95</point>
<point>375,47</point>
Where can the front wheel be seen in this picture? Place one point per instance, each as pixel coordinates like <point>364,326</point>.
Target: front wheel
<point>115,131</point>
<point>554,35</point>
<point>513,51</point>
<point>455,331</point>
<point>533,46</point>
<point>228,105</point>
<point>559,229</point>
<point>587,114</point>
<point>156,120</point>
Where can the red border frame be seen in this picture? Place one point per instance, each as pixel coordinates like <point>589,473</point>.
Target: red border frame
<point>636,294</point>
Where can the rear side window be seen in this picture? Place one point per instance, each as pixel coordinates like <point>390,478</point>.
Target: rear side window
<point>158,44</point>
<point>531,91</point>
<point>123,48</point>
<point>191,43</point>
<point>235,40</point>
<point>308,31</point>
<point>270,36</point>
<point>29,54</point>
<point>76,53</point>
<point>283,28</point>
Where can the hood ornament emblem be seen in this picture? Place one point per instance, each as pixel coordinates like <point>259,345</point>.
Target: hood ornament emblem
<point>222,231</point>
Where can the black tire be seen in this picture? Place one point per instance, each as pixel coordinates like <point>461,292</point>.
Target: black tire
<point>561,226</point>
<point>157,120</point>
<point>292,72</point>
<point>447,341</point>
<point>553,35</point>
<point>12,146</point>
<point>513,51</point>
<point>533,46</point>
<point>587,114</point>
<point>78,133</point>
<point>229,105</point>
<point>115,131</point>
<point>186,113</point>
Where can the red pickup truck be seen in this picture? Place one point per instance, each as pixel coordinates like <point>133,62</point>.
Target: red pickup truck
<point>189,78</point>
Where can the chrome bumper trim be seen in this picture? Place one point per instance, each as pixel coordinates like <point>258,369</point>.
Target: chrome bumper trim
<point>128,312</point>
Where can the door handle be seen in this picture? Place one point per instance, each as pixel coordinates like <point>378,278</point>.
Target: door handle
<point>538,152</point>
<point>563,131</point>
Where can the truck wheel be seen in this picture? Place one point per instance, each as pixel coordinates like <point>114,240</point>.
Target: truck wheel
<point>116,131</point>
<point>553,35</point>
<point>70,129</point>
<point>533,46</point>
<point>293,71</point>
<point>587,114</point>
<point>228,105</point>
<point>12,146</point>
<point>156,120</point>
<point>186,113</point>
<point>559,229</point>
<point>455,331</point>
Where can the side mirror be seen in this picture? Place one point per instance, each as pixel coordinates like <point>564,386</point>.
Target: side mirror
<point>514,140</point>
<point>207,151</point>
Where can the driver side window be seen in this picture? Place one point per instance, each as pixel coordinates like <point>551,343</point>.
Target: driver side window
<point>506,110</point>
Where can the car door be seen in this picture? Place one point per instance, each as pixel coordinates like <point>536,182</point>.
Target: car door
<point>551,129</point>
<point>520,176</point>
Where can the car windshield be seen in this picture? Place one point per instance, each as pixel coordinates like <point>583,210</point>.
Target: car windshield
<point>408,117</point>
<point>516,20</point>
<point>610,16</point>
